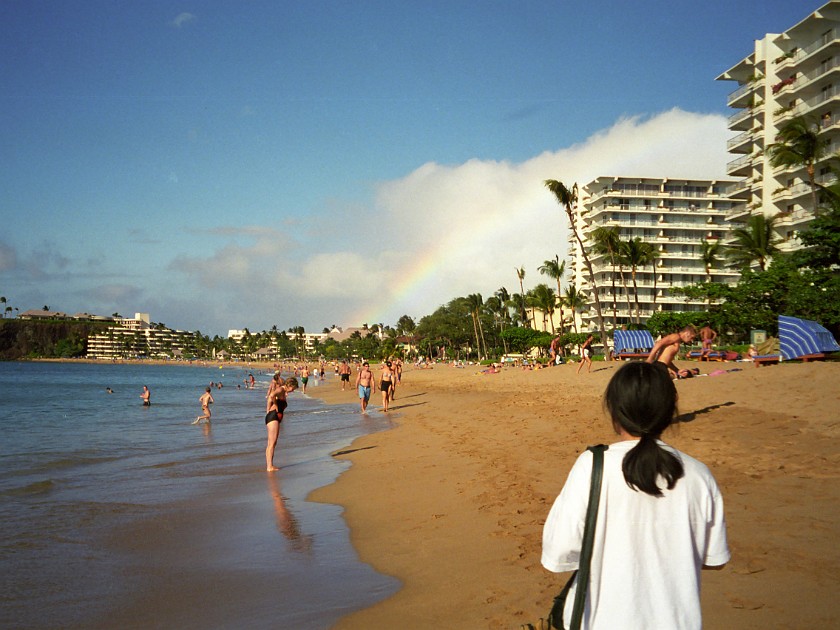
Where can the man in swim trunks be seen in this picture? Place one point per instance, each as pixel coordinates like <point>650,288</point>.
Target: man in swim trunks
<point>275,406</point>
<point>665,351</point>
<point>304,376</point>
<point>366,385</point>
<point>707,337</point>
<point>146,396</point>
<point>344,373</point>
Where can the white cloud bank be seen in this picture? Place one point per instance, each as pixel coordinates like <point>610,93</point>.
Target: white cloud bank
<point>439,232</point>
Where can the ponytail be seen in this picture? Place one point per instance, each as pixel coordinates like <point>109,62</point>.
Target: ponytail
<point>642,399</point>
<point>646,462</point>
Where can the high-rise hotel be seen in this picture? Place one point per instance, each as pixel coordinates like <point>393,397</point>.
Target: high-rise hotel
<point>676,217</point>
<point>795,73</point>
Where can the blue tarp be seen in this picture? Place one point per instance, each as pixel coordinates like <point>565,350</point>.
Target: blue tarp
<point>800,337</point>
<point>632,339</point>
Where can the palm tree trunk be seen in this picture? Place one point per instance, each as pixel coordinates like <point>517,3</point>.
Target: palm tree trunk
<point>614,300</point>
<point>636,297</point>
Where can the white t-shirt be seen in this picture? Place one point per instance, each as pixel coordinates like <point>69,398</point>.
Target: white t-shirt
<point>648,551</point>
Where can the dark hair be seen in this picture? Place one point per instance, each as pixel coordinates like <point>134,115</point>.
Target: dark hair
<point>642,399</point>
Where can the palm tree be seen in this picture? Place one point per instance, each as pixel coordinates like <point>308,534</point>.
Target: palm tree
<point>635,254</point>
<point>555,269</point>
<point>520,273</point>
<point>568,199</point>
<point>543,297</point>
<point>475,303</point>
<point>575,300</point>
<point>504,298</point>
<point>497,309</point>
<point>754,243</point>
<point>798,144</point>
<point>649,256</point>
<point>608,242</point>
<point>710,252</point>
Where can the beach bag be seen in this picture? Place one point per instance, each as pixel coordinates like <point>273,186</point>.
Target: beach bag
<point>555,617</point>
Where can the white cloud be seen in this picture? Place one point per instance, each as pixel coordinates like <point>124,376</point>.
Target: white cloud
<point>181,19</point>
<point>440,232</point>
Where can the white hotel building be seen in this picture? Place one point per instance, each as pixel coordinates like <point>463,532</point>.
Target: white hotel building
<point>788,74</point>
<point>133,337</point>
<point>675,216</point>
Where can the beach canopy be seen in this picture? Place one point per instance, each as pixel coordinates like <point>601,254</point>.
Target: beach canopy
<point>632,339</point>
<point>802,337</point>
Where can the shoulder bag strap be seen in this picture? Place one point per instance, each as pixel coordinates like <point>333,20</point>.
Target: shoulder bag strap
<point>588,534</point>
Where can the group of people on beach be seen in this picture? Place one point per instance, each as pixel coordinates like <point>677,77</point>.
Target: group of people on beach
<point>390,376</point>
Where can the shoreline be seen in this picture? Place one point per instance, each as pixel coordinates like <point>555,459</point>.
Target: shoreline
<point>451,501</point>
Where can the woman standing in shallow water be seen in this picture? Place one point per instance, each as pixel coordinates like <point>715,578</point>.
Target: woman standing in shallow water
<point>275,406</point>
<point>660,519</point>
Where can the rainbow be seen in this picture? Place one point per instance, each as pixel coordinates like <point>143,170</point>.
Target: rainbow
<point>409,283</point>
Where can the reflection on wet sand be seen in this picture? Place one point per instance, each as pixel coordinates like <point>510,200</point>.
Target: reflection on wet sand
<point>286,522</point>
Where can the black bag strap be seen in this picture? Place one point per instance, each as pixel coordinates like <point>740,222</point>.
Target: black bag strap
<point>588,534</point>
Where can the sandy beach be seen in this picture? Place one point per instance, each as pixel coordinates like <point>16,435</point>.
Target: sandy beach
<point>453,500</point>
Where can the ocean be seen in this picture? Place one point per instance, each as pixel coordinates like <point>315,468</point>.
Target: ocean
<point>117,515</point>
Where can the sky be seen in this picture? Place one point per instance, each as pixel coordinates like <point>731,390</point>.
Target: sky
<point>229,165</point>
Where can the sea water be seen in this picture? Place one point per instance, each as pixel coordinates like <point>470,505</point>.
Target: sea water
<point>115,514</point>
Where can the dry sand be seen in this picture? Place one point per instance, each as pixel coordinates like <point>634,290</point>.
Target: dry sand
<point>452,502</point>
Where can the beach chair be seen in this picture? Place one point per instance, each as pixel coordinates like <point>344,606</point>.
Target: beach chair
<point>632,344</point>
<point>714,355</point>
<point>804,340</point>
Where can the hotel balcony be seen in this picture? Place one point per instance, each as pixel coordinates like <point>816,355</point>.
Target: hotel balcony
<point>738,212</point>
<point>742,143</point>
<point>832,36</point>
<point>741,120</point>
<point>742,97</point>
<point>741,166</point>
<point>798,217</point>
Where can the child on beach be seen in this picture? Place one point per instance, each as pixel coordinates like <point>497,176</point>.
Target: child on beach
<point>275,406</point>
<point>586,354</point>
<point>660,520</point>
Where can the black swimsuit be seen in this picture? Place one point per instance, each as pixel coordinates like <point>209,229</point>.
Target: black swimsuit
<point>277,415</point>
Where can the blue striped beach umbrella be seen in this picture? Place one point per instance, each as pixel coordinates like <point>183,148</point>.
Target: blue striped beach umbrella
<point>632,339</point>
<point>801,337</point>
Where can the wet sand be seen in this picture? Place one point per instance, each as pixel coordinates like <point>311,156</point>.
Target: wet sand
<point>452,502</point>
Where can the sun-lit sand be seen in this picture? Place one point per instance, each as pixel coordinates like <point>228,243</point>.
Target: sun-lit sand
<point>452,501</point>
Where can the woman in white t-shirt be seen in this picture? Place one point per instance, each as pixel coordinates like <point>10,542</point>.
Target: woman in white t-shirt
<point>660,518</point>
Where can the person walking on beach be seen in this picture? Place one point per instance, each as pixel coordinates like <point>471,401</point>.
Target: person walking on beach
<point>206,400</point>
<point>304,376</point>
<point>665,351</point>
<point>586,354</point>
<point>660,519</point>
<point>146,396</point>
<point>366,385</point>
<point>387,380</point>
<point>552,351</point>
<point>707,338</point>
<point>274,408</point>
<point>344,374</point>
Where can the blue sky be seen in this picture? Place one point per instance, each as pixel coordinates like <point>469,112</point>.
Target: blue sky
<point>227,165</point>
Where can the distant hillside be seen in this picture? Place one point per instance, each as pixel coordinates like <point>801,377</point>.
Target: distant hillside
<point>28,339</point>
